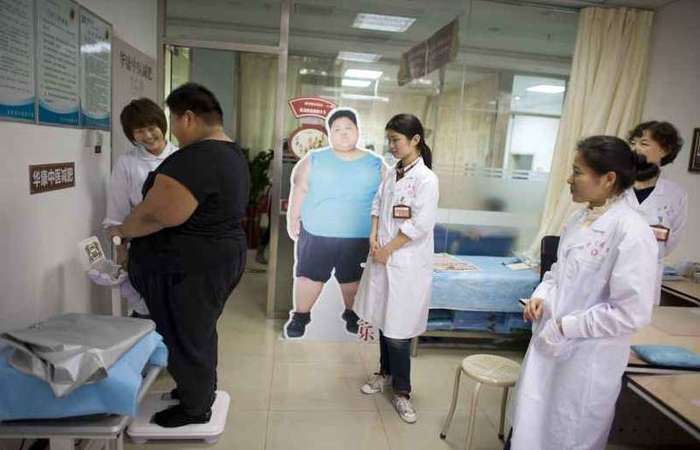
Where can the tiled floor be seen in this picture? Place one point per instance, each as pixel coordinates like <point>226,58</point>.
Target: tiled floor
<point>305,396</point>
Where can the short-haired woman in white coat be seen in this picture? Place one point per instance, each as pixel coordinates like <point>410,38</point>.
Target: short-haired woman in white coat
<point>662,202</point>
<point>144,124</point>
<point>598,293</point>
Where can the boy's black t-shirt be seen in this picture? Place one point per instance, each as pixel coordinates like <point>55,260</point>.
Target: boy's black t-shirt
<point>216,173</point>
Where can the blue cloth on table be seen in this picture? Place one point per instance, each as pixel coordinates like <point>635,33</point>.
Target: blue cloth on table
<point>494,288</point>
<point>25,397</point>
<point>668,356</point>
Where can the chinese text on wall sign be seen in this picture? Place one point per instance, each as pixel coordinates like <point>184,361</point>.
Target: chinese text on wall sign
<point>51,177</point>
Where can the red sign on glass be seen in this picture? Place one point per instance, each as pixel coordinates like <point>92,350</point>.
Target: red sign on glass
<point>311,107</point>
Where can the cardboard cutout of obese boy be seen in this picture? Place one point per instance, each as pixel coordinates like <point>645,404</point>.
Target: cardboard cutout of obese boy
<point>329,218</point>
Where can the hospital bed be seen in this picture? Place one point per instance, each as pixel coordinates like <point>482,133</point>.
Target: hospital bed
<point>478,304</point>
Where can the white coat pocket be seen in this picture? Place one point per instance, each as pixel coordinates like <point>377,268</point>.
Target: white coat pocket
<point>584,262</point>
<point>403,257</point>
<point>551,342</point>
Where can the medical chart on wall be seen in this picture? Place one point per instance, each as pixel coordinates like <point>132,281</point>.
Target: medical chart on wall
<point>17,83</point>
<point>58,80</point>
<point>55,64</point>
<point>95,71</point>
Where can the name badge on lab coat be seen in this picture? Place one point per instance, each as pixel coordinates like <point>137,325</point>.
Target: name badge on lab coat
<point>401,212</point>
<point>661,232</point>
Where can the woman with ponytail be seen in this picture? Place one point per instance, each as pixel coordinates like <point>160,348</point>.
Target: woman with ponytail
<point>663,203</point>
<point>395,289</point>
<point>597,295</point>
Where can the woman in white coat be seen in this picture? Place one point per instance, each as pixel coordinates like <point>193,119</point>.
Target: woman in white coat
<point>597,294</point>
<point>144,124</point>
<point>663,203</point>
<point>395,290</point>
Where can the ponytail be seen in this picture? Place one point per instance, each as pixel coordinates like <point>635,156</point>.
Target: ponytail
<point>410,126</point>
<point>426,153</point>
<point>645,170</point>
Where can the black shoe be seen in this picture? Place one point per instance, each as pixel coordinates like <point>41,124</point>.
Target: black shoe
<point>350,319</point>
<point>136,315</point>
<point>175,416</point>
<point>297,326</point>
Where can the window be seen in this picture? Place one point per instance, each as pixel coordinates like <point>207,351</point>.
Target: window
<point>536,106</point>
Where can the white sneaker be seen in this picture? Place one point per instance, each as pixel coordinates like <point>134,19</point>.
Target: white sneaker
<point>405,409</point>
<point>376,383</point>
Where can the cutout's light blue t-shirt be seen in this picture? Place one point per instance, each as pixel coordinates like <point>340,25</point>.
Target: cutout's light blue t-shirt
<point>340,193</point>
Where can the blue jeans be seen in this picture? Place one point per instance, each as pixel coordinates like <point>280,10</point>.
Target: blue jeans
<point>395,360</point>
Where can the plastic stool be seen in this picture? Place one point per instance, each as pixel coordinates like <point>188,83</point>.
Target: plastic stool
<point>490,370</point>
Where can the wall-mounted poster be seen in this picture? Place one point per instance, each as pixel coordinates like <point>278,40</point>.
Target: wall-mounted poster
<point>694,164</point>
<point>95,71</point>
<point>17,84</point>
<point>58,80</point>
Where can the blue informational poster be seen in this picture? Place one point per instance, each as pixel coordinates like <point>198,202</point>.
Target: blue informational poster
<point>58,77</point>
<point>17,84</point>
<point>95,71</point>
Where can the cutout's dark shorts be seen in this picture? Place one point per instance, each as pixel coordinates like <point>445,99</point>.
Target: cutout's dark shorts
<point>317,256</point>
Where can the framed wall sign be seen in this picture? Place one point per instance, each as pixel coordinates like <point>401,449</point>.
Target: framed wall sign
<point>694,164</point>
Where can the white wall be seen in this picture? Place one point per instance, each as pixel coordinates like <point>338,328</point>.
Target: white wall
<point>134,21</point>
<point>218,71</point>
<point>39,271</point>
<point>674,95</point>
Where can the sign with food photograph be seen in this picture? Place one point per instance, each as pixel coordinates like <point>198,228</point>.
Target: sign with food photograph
<point>307,138</point>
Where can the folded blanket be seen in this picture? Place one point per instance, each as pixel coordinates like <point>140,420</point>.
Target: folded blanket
<point>70,350</point>
<point>24,396</point>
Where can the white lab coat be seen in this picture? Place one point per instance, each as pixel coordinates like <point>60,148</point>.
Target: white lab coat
<point>128,176</point>
<point>667,205</point>
<point>124,193</point>
<point>395,298</point>
<point>602,290</point>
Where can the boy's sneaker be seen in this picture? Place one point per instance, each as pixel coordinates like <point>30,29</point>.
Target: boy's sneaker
<point>297,326</point>
<point>376,383</point>
<point>405,408</point>
<point>351,320</point>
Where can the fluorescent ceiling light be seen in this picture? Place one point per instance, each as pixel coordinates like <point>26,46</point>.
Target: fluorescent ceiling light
<point>98,47</point>
<point>305,71</point>
<point>349,82</point>
<point>546,89</point>
<point>364,97</point>
<point>365,74</point>
<point>359,57</point>
<point>381,22</point>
